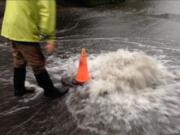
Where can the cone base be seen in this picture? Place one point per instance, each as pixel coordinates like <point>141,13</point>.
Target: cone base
<point>70,82</point>
<point>80,82</point>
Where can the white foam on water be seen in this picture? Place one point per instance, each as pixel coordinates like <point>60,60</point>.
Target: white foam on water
<point>13,110</point>
<point>38,92</point>
<point>60,67</point>
<point>2,45</point>
<point>68,29</point>
<point>129,93</point>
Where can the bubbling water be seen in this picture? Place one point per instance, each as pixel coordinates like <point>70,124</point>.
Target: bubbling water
<point>129,93</point>
<point>124,71</point>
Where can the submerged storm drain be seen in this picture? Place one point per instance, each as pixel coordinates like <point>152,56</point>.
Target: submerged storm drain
<point>129,94</point>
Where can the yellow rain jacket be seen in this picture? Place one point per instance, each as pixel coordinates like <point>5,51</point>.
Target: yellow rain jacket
<point>29,20</point>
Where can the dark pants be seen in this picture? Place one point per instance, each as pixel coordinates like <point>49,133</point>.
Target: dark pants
<point>28,53</point>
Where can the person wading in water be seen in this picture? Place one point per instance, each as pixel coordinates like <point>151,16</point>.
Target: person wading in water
<point>26,23</point>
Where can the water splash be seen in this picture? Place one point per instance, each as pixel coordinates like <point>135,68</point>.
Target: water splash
<point>129,93</point>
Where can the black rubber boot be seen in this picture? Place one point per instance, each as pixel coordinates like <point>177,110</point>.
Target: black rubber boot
<point>19,82</point>
<point>45,82</point>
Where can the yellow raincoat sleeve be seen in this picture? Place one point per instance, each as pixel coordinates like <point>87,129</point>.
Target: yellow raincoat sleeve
<point>47,19</point>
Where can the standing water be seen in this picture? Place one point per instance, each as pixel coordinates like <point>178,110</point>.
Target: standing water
<point>134,89</point>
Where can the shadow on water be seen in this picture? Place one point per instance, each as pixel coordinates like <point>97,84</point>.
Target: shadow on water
<point>103,106</point>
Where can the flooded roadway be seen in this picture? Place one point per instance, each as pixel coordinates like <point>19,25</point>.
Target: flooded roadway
<point>111,103</point>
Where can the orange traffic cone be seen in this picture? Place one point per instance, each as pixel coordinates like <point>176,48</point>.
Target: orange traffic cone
<point>82,75</point>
